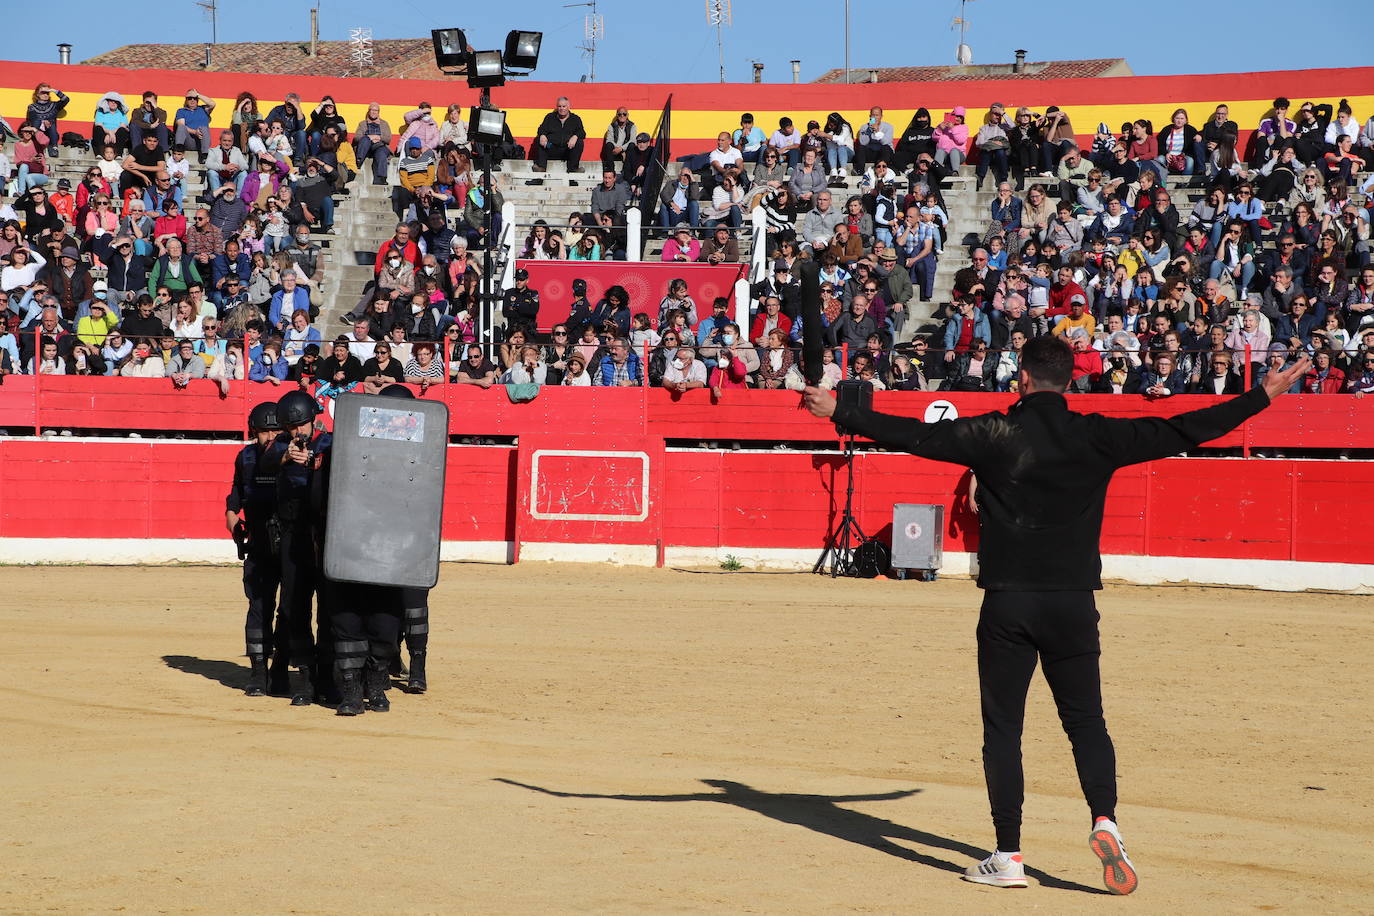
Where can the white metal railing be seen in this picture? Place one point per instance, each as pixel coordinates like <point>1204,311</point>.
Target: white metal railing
<point>634,235</point>
<point>758,259</point>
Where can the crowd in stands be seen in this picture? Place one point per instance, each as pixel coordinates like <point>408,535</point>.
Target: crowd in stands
<point>129,273</point>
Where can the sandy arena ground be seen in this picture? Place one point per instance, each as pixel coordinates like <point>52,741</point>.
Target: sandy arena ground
<point>625,740</point>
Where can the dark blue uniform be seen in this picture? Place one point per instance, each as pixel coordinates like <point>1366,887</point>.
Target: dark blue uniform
<point>300,518</point>
<point>254,494</point>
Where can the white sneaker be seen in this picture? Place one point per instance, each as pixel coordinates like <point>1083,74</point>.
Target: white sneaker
<point>1117,871</point>
<point>1001,869</point>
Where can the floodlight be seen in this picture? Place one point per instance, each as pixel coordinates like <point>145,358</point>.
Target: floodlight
<point>486,126</point>
<point>485,69</point>
<point>450,48</point>
<point>522,50</point>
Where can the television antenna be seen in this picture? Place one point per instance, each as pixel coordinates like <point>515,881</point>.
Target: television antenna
<point>360,50</point>
<point>593,30</point>
<point>963,54</point>
<point>718,14</point>
<point>210,11</point>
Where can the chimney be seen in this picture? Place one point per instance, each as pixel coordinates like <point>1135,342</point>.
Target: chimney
<point>209,57</point>
<point>872,76</point>
<point>64,53</point>
<point>758,72</point>
<point>314,28</point>
<point>1020,65</point>
<point>796,71</point>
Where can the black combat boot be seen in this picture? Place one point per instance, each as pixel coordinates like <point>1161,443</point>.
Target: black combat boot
<point>278,677</point>
<point>376,681</point>
<point>302,689</point>
<point>257,678</point>
<point>417,674</point>
<point>350,686</point>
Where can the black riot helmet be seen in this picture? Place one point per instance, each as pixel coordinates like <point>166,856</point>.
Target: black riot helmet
<point>264,416</point>
<point>397,391</point>
<point>295,408</point>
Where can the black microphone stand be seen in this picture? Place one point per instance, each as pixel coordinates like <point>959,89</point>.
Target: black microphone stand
<point>848,535</point>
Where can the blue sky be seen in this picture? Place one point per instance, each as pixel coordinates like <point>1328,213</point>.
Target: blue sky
<point>672,43</point>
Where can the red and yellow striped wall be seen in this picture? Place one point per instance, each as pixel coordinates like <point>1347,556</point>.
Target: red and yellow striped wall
<point>701,110</point>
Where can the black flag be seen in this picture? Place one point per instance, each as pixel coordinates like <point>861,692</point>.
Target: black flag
<point>658,165</point>
<point>813,334</point>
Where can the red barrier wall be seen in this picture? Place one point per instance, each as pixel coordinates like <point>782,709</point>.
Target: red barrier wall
<point>1294,421</point>
<point>646,282</point>
<point>1226,508</point>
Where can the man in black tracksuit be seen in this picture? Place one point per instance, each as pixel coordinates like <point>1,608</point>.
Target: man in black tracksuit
<point>1042,473</point>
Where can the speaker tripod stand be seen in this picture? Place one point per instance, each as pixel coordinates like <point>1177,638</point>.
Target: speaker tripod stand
<point>841,547</point>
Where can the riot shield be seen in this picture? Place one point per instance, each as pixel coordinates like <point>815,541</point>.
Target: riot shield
<point>386,491</point>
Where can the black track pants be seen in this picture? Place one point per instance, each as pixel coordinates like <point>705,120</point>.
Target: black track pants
<point>1059,629</point>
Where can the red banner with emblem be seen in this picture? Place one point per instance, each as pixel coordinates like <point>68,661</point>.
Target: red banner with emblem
<point>645,281</point>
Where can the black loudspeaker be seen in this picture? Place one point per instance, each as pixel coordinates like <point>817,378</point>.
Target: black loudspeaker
<point>853,393</point>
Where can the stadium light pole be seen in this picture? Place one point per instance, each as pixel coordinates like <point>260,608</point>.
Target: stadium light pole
<point>485,70</point>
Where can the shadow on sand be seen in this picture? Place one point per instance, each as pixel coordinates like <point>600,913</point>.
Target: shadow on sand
<point>823,814</point>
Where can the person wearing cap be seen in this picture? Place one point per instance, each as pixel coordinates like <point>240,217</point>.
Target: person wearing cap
<point>1077,318</point>
<point>64,201</point>
<point>748,138</point>
<point>951,140</point>
<point>416,168</point>
<point>92,328</point>
<point>637,158</point>
<point>560,136</point>
<point>681,247</point>
<point>875,141</point>
<point>784,286</point>
<point>576,375</point>
<point>1058,137</point>
<point>720,248</point>
<point>70,282</point>
<point>126,272</point>
<point>520,304</point>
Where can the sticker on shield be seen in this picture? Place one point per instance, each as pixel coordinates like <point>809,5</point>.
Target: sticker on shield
<point>396,425</point>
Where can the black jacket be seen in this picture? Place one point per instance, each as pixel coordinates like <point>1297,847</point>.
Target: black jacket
<point>560,132</point>
<point>1043,472</point>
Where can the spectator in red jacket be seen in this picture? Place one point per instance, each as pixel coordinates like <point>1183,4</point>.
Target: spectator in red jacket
<point>769,318</point>
<point>1062,291</point>
<point>401,242</point>
<point>1324,377</point>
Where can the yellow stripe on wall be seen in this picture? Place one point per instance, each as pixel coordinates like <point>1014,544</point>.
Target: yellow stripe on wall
<point>706,124</point>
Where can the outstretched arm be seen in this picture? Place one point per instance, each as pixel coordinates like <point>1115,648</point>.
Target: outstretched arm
<point>1149,438</point>
<point>956,441</point>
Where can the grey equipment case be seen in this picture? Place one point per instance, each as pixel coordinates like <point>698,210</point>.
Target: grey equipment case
<point>386,491</point>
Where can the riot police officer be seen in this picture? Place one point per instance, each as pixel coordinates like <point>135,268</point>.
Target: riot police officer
<point>301,455</point>
<point>365,621</point>
<point>253,495</point>
<point>415,628</point>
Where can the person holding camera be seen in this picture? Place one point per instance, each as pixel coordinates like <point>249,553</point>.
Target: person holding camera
<point>298,457</point>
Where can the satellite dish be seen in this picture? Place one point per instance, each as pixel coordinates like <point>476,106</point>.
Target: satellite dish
<point>964,55</point>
